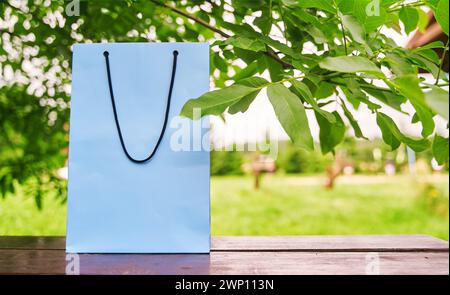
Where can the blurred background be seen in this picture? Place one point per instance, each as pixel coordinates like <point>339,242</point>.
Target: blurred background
<point>364,188</point>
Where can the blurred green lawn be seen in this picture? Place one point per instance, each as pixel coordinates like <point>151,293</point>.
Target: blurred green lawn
<point>287,205</point>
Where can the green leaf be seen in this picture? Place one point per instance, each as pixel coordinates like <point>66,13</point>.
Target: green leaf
<point>353,122</point>
<point>409,87</point>
<point>441,15</point>
<point>291,114</point>
<point>318,35</point>
<point>393,137</point>
<point>215,102</point>
<point>246,55</point>
<point>415,119</point>
<point>244,43</point>
<point>429,54</point>
<point>325,103</point>
<point>354,27</point>
<point>387,134</point>
<point>355,95</point>
<point>302,15</point>
<point>423,20</point>
<point>219,63</point>
<point>306,94</point>
<point>325,5</point>
<point>305,63</point>
<point>440,149</point>
<point>433,3</point>
<point>290,3</point>
<point>330,134</point>
<point>324,90</point>
<point>254,82</point>
<point>410,18</point>
<point>275,69</point>
<point>432,45</point>
<point>351,64</point>
<point>254,4</point>
<point>437,99</point>
<point>425,64</point>
<point>243,104</point>
<point>368,12</point>
<point>247,71</point>
<point>399,65</point>
<point>283,48</point>
<point>346,6</point>
<point>242,30</point>
<point>264,22</point>
<point>388,97</point>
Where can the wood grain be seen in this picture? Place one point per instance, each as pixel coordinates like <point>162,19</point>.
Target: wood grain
<point>404,254</point>
<point>395,243</point>
<point>32,242</point>
<point>327,263</point>
<point>363,243</point>
<point>310,263</point>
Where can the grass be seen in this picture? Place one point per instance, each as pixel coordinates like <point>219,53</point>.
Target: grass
<point>287,205</point>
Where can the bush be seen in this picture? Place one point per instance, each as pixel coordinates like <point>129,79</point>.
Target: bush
<point>226,163</point>
<point>294,160</point>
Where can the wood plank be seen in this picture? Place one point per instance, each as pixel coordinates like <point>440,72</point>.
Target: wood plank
<point>404,254</point>
<point>363,243</point>
<point>328,263</point>
<point>32,261</point>
<point>33,242</point>
<point>53,262</point>
<point>380,243</point>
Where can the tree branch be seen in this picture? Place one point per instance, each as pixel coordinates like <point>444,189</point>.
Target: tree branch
<point>344,37</point>
<point>192,17</point>
<point>269,53</point>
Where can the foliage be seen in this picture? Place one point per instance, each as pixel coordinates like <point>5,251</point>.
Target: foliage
<point>251,38</point>
<point>351,58</point>
<point>35,75</point>
<point>295,160</point>
<point>226,163</point>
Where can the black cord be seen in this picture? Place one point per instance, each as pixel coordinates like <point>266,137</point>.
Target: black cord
<point>166,116</point>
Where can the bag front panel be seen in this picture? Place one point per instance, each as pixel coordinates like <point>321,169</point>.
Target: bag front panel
<point>115,205</point>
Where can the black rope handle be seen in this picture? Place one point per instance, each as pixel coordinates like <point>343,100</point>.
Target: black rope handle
<point>166,116</point>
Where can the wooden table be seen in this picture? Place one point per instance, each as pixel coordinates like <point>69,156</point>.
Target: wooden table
<point>389,254</point>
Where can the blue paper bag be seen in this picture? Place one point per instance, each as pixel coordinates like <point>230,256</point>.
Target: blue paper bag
<point>119,203</point>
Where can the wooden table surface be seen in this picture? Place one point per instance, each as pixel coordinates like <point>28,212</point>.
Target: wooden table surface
<point>390,254</point>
